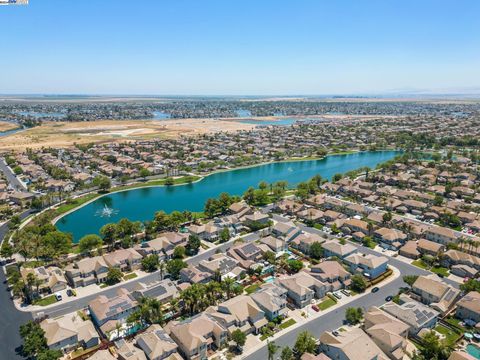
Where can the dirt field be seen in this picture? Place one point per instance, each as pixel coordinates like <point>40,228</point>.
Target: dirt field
<point>5,126</point>
<point>65,134</point>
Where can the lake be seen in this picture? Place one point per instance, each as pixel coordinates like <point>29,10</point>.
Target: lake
<point>141,204</point>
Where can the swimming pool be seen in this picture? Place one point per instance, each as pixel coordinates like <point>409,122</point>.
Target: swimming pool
<point>473,350</point>
<point>269,279</point>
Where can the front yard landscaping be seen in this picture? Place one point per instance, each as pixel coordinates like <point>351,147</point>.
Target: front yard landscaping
<point>326,303</point>
<point>287,323</point>
<point>129,276</point>
<point>49,300</point>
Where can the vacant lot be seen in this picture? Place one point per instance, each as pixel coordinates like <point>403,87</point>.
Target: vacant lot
<point>65,134</point>
<point>5,126</point>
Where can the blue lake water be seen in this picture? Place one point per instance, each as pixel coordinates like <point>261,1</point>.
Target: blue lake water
<point>160,115</point>
<point>279,122</point>
<point>42,114</point>
<point>141,204</point>
<point>244,113</point>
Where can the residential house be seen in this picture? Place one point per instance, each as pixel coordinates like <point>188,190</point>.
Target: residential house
<point>331,273</point>
<point>272,299</point>
<point>124,259</point>
<point>429,247</point>
<point>435,293</point>
<point>302,288</point>
<point>196,335</point>
<point>221,264</point>
<point>335,248</point>
<point>69,332</point>
<point>371,266</point>
<point>239,312</point>
<point>127,351</point>
<point>389,333</point>
<point>50,279</point>
<point>391,239</point>
<point>468,308</point>
<point>108,312</point>
<point>353,344</point>
<point>410,250</point>
<point>194,275</point>
<point>156,343</point>
<point>246,254</point>
<point>304,241</point>
<point>413,313</point>
<point>87,271</point>
<point>441,235</point>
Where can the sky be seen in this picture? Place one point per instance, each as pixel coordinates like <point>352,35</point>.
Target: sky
<point>240,47</point>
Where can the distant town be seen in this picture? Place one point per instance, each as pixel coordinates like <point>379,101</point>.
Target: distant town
<point>377,262</point>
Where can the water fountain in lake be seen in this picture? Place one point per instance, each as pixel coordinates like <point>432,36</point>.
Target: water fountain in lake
<point>106,211</point>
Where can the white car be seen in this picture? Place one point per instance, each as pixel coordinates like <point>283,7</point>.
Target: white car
<point>58,296</point>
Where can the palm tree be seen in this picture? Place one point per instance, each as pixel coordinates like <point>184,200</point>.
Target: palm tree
<point>227,285</point>
<point>272,349</point>
<point>161,268</point>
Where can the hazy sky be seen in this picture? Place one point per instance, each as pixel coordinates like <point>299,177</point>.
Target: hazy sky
<point>239,46</point>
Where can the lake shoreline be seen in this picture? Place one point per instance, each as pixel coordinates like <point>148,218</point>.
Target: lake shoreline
<point>141,185</point>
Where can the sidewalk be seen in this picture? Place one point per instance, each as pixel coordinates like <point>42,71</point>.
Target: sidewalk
<point>346,300</point>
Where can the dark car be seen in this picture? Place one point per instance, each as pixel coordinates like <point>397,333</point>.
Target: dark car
<point>375,289</point>
<point>389,298</point>
<point>335,333</point>
<point>315,307</point>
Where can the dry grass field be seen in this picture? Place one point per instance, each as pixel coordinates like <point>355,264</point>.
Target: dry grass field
<point>66,134</point>
<point>5,126</point>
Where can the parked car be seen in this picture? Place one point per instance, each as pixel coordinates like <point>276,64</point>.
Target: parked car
<point>315,307</point>
<point>389,298</point>
<point>58,296</point>
<point>375,289</point>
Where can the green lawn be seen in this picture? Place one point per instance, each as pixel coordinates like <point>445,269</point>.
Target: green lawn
<point>420,263</point>
<point>451,337</point>
<point>440,270</point>
<point>252,288</point>
<point>130,276</point>
<point>46,301</point>
<point>325,304</point>
<point>287,323</point>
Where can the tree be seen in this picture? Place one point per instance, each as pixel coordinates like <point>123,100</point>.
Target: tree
<point>109,232</point>
<point>272,349</point>
<point>249,196</point>
<point>102,182</point>
<point>287,353</point>
<point>6,251</point>
<point>174,267</point>
<point>114,276</point>
<point>432,348</point>
<point>295,265</point>
<point>224,235</point>
<point>56,243</point>
<point>193,244</point>
<point>410,279</point>
<point>358,283</point>
<point>387,217</point>
<point>150,263</point>
<point>336,177</point>
<point>33,337</point>
<point>239,338</point>
<point>169,181</point>
<point>353,315</point>
<point>49,354</point>
<point>316,250</point>
<point>179,252</point>
<point>470,285</point>
<point>305,344</point>
<point>270,257</point>
<point>212,207</point>
<point>144,173</point>
<point>90,242</point>
<point>14,222</point>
